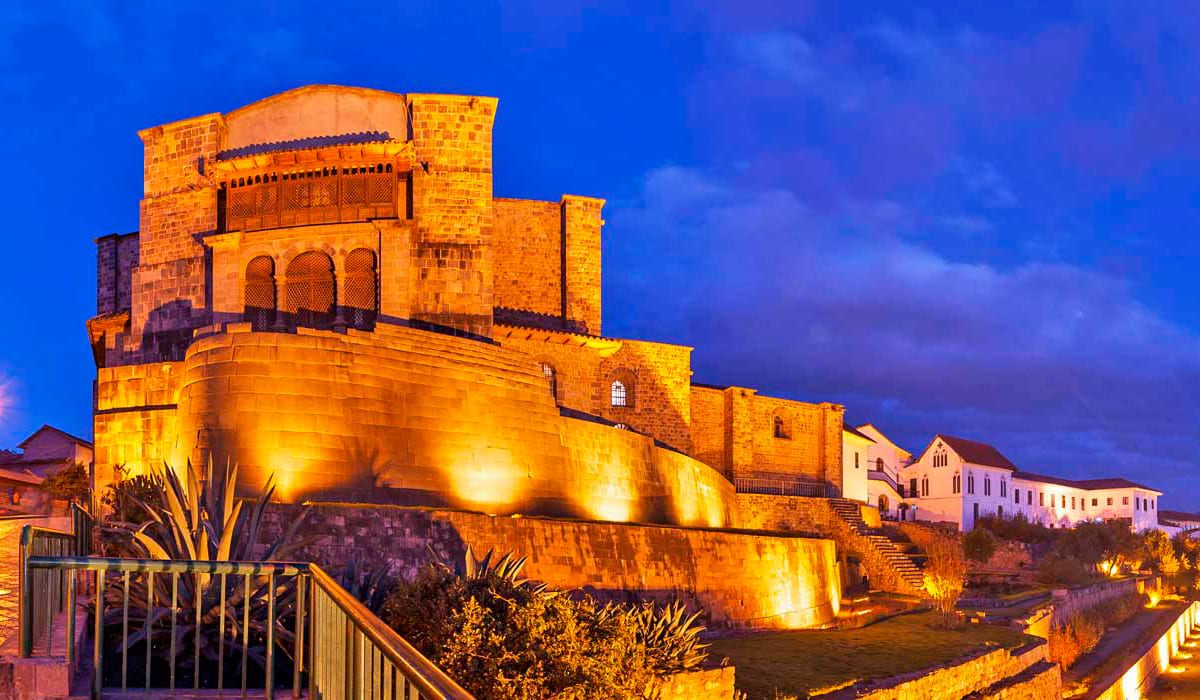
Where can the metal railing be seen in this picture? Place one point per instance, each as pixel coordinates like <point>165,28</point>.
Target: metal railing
<point>784,485</point>
<point>331,644</point>
<point>47,594</point>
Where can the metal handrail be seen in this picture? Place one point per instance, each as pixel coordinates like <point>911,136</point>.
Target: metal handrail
<point>783,485</point>
<point>41,603</point>
<point>345,649</point>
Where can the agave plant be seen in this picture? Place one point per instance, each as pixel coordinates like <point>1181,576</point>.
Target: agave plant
<point>201,522</point>
<point>370,585</point>
<point>671,637</point>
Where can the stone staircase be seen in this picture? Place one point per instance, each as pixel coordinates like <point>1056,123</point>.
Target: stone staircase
<point>889,549</point>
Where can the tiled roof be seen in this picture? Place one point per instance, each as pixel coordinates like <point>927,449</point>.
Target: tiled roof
<point>532,319</point>
<point>63,433</point>
<point>306,143</point>
<point>977,452</point>
<point>1115,483</point>
<point>1085,484</point>
<point>19,476</point>
<point>1170,516</point>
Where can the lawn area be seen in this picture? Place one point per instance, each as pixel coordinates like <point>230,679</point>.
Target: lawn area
<point>804,660</point>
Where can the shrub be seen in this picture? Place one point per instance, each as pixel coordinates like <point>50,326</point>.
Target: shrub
<point>69,483</point>
<point>132,500</point>
<point>945,575</point>
<point>979,545</point>
<point>1061,569</point>
<point>1083,629</point>
<point>503,637</point>
<point>1016,527</point>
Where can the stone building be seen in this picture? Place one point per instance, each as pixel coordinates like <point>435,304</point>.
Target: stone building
<point>325,287</point>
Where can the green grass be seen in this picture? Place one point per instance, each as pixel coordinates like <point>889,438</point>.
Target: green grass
<point>794,663</point>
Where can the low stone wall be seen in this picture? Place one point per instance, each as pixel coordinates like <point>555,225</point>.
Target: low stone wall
<point>740,579</point>
<point>708,684</point>
<point>1068,601</point>
<point>1042,681</point>
<point>987,673</point>
<point>1140,676</point>
<point>1010,555</point>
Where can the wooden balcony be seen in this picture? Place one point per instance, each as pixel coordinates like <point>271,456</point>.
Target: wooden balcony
<point>317,195</point>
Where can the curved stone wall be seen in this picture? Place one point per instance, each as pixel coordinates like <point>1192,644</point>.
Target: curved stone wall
<point>435,419</point>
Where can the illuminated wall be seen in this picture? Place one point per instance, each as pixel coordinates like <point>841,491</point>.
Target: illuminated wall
<point>1136,681</point>
<point>740,580</point>
<point>433,418</point>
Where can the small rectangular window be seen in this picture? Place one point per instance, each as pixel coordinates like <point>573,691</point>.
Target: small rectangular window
<point>1124,500</point>
<point>1110,501</point>
<point>1041,498</point>
<point>1017,496</point>
<point>1095,502</point>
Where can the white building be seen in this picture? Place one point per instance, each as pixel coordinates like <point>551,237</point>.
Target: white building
<point>1174,522</point>
<point>885,460</point>
<point>957,480</point>
<point>855,449</point>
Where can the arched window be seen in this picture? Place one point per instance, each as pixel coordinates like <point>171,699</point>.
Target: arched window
<point>779,425</point>
<point>551,376</point>
<point>260,293</point>
<point>310,290</point>
<point>619,396</point>
<point>883,503</point>
<point>361,299</point>
<point>879,464</point>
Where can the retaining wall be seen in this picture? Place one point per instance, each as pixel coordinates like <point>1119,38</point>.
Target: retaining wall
<point>1019,674</point>
<point>740,579</point>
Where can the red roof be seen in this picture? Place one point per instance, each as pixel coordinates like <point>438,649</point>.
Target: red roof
<point>977,452</point>
<point>1086,484</point>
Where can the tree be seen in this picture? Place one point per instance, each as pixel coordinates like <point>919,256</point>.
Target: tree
<point>979,545</point>
<point>945,575</point>
<point>70,483</point>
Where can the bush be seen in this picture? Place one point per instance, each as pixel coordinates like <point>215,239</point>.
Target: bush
<point>69,483</point>
<point>1015,527</point>
<point>979,545</point>
<point>502,637</point>
<point>1082,630</point>
<point>132,500</point>
<point>1061,569</point>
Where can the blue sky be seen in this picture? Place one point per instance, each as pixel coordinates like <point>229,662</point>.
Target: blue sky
<point>979,222</point>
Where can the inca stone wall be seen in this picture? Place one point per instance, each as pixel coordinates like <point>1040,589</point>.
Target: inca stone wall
<point>741,580</point>
<point>426,417</point>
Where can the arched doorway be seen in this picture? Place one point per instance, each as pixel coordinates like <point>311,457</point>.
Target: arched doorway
<point>883,503</point>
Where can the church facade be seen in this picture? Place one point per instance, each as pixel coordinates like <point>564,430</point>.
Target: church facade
<point>325,288</point>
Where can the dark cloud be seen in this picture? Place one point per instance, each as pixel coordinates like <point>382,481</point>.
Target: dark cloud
<point>1059,365</point>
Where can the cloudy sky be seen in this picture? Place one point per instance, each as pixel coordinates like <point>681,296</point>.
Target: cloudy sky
<point>979,222</point>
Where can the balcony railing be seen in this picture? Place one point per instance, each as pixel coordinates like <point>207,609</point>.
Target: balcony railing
<point>313,196</point>
<point>337,647</point>
<point>780,484</point>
